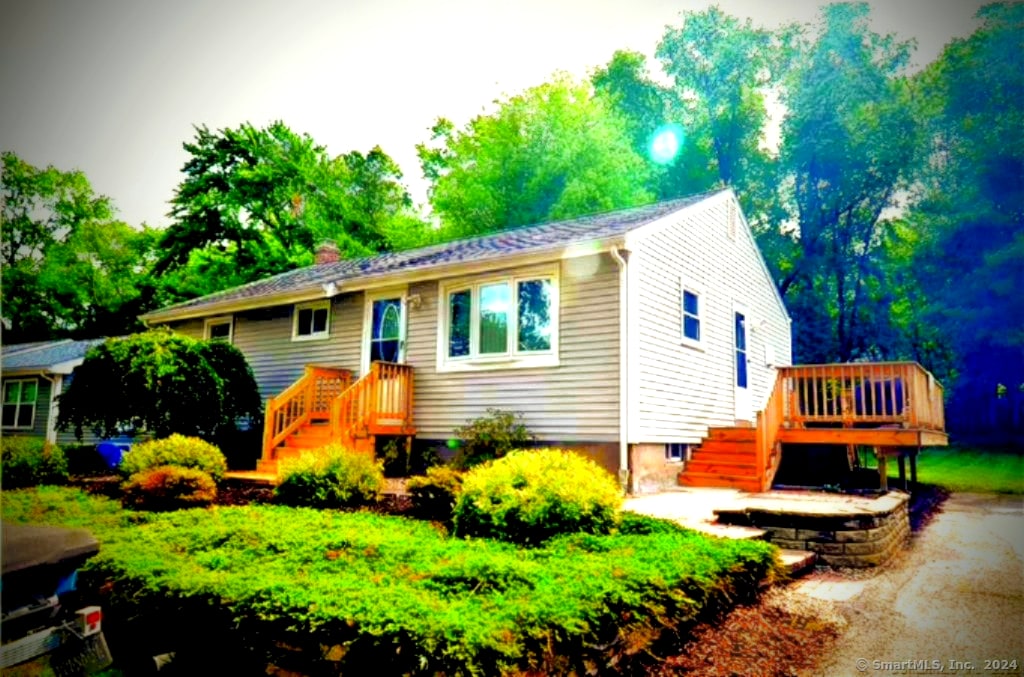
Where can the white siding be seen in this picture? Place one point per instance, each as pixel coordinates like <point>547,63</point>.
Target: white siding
<point>576,401</point>
<point>679,391</point>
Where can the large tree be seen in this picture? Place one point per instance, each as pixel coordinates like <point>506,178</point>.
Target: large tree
<point>255,202</point>
<point>849,137</point>
<point>554,151</point>
<point>69,267</point>
<point>969,214</point>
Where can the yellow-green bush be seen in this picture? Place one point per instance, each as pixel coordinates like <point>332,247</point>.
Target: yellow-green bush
<point>176,450</point>
<point>330,477</point>
<point>28,461</point>
<point>169,487</point>
<point>531,495</point>
<point>434,494</point>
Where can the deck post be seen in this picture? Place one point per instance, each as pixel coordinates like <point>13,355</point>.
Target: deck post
<point>913,467</point>
<point>903,470</point>
<point>883,477</point>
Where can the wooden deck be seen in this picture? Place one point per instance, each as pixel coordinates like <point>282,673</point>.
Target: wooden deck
<point>894,407</point>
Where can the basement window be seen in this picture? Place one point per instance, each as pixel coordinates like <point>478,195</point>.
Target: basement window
<point>676,452</point>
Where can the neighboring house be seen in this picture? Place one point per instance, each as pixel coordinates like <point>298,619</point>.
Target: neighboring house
<point>627,335</point>
<point>33,375</point>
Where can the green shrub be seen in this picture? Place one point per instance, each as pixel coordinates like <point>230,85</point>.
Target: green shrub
<point>30,461</point>
<point>169,487</point>
<point>176,450</point>
<point>330,477</point>
<point>434,494</point>
<point>530,496</point>
<point>490,437</point>
<point>633,523</point>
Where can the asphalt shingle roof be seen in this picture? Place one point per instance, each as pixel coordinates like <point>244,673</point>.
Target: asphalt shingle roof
<point>44,355</point>
<point>516,241</point>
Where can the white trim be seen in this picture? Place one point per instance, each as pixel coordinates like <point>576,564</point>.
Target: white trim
<point>220,319</point>
<point>743,408</point>
<point>513,358</point>
<point>56,385</point>
<point>17,411</point>
<point>312,336</point>
<point>701,316</point>
<point>377,295</point>
<point>624,407</point>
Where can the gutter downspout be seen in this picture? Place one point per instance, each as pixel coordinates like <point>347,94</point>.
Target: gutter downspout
<point>624,475</point>
<point>51,418</point>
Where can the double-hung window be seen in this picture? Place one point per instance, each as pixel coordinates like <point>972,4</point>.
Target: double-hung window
<point>218,329</point>
<point>509,321</point>
<point>19,405</point>
<point>312,321</point>
<point>691,305</point>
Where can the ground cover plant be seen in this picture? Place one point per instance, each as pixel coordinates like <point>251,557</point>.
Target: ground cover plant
<point>968,469</point>
<point>327,592</point>
<point>28,461</point>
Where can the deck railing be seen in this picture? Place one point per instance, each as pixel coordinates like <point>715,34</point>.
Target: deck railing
<point>381,399</point>
<point>307,399</point>
<point>860,394</point>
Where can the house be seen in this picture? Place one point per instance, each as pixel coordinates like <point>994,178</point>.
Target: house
<point>638,337</point>
<point>32,376</point>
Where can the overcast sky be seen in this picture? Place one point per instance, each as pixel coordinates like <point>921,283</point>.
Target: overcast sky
<point>113,87</point>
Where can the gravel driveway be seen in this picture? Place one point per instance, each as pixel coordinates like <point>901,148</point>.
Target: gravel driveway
<point>952,604</point>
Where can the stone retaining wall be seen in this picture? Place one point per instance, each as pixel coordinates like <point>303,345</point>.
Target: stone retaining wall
<point>865,534</point>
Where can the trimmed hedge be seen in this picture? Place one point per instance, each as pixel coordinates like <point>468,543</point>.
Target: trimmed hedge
<point>30,461</point>
<point>330,477</point>
<point>176,450</point>
<point>532,495</point>
<point>169,487</point>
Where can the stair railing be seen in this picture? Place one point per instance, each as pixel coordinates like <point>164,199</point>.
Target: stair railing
<point>769,422</point>
<point>307,399</point>
<point>383,396</point>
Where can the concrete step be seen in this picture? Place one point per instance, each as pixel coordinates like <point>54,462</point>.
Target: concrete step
<point>796,563</point>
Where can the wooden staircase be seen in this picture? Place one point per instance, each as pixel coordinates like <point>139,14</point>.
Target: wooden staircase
<point>726,458</point>
<point>325,406</point>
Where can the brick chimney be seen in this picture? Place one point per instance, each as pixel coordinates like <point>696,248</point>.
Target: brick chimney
<point>327,252</point>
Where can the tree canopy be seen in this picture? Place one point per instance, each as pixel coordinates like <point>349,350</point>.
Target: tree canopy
<point>255,202</point>
<point>554,151</point>
<point>69,267</point>
<point>163,383</point>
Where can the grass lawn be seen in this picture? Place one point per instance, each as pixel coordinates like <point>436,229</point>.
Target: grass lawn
<point>326,591</point>
<point>969,469</point>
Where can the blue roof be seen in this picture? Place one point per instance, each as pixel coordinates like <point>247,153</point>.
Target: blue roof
<point>42,356</point>
<point>515,241</point>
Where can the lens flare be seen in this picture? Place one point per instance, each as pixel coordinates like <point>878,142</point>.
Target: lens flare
<point>666,142</point>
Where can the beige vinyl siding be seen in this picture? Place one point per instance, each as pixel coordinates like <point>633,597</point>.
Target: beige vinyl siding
<point>679,390</point>
<point>575,401</point>
<point>42,415</point>
<point>265,338</point>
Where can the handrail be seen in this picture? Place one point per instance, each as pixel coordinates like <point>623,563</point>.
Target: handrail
<point>877,393</point>
<point>383,394</point>
<point>769,422</point>
<point>300,403</point>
